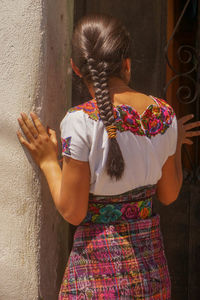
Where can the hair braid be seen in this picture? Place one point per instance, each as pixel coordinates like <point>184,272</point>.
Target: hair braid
<point>100,43</point>
<point>99,77</point>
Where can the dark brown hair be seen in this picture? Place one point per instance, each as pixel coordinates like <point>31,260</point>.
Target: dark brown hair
<point>99,45</point>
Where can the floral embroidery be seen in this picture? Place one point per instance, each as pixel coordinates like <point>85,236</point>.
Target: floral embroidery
<point>116,212</point>
<point>108,214</point>
<point>66,145</point>
<point>155,119</point>
<point>130,211</point>
<point>89,108</point>
<point>144,213</point>
<point>127,119</point>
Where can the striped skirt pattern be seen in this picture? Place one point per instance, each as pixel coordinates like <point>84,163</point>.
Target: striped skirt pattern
<point>123,260</point>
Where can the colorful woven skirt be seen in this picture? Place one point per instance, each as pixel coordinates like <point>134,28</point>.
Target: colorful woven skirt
<point>122,259</point>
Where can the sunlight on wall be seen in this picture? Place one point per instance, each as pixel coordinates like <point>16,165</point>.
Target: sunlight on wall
<point>34,60</point>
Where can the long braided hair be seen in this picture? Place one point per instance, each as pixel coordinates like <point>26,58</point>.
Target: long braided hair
<point>99,45</point>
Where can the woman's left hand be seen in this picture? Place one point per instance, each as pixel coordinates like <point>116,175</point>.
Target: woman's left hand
<point>41,143</point>
<point>184,130</point>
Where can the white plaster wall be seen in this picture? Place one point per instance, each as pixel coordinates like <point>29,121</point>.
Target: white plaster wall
<point>53,234</point>
<point>27,76</point>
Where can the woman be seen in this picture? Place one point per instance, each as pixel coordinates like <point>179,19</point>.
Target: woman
<point>120,148</point>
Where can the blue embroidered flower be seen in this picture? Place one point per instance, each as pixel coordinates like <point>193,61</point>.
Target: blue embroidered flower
<point>108,214</point>
<point>66,145</point>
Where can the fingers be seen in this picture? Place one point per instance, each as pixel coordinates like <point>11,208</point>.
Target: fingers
<point>30,129</point>
<point>192,125</point>
<point>192,133</point>
<point>25,130</point>
<point>185,130</point>
<point>52,135</point>
<point>29,125</point>
<point>40,128</point>
<point>187,141</point>
<point>185,119</point>
<point>51,132</point>
<point>23,141</point>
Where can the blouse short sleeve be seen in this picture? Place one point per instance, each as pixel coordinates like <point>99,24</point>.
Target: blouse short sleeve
<point>74,136</point>
<point>172,133</point>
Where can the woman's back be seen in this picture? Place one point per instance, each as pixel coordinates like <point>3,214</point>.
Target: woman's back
<point>146,139</point>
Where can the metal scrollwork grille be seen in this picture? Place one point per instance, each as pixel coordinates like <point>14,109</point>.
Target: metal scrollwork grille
<point>188,76</point>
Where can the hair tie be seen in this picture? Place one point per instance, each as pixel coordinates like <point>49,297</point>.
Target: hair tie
<point>112,131</point>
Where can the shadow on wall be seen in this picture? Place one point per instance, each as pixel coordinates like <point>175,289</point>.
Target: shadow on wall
<point>54,229</point>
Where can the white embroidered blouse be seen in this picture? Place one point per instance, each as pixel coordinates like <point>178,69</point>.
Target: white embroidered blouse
<point>146,141</point>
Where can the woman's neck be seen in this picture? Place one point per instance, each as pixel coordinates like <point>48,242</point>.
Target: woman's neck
<point>116,86</point>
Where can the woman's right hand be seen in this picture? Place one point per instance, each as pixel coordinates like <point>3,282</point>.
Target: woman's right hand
<point>41,143</point>
<point>184,130</point>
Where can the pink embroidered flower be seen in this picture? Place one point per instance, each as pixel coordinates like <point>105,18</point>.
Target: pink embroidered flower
<point>130,211</point>
<point>155,125</point>
<point>148,113</point>
<point>128,118</point>
<point>131,124</point>
<point>166,116</point>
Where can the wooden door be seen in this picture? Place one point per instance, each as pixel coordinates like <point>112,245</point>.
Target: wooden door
<point>181,220</point>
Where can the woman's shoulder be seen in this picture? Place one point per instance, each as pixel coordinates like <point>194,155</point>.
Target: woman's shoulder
<point>81,116</point>
<point>163,104</point>
<point>162,109</point>
<point>88,108</point>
